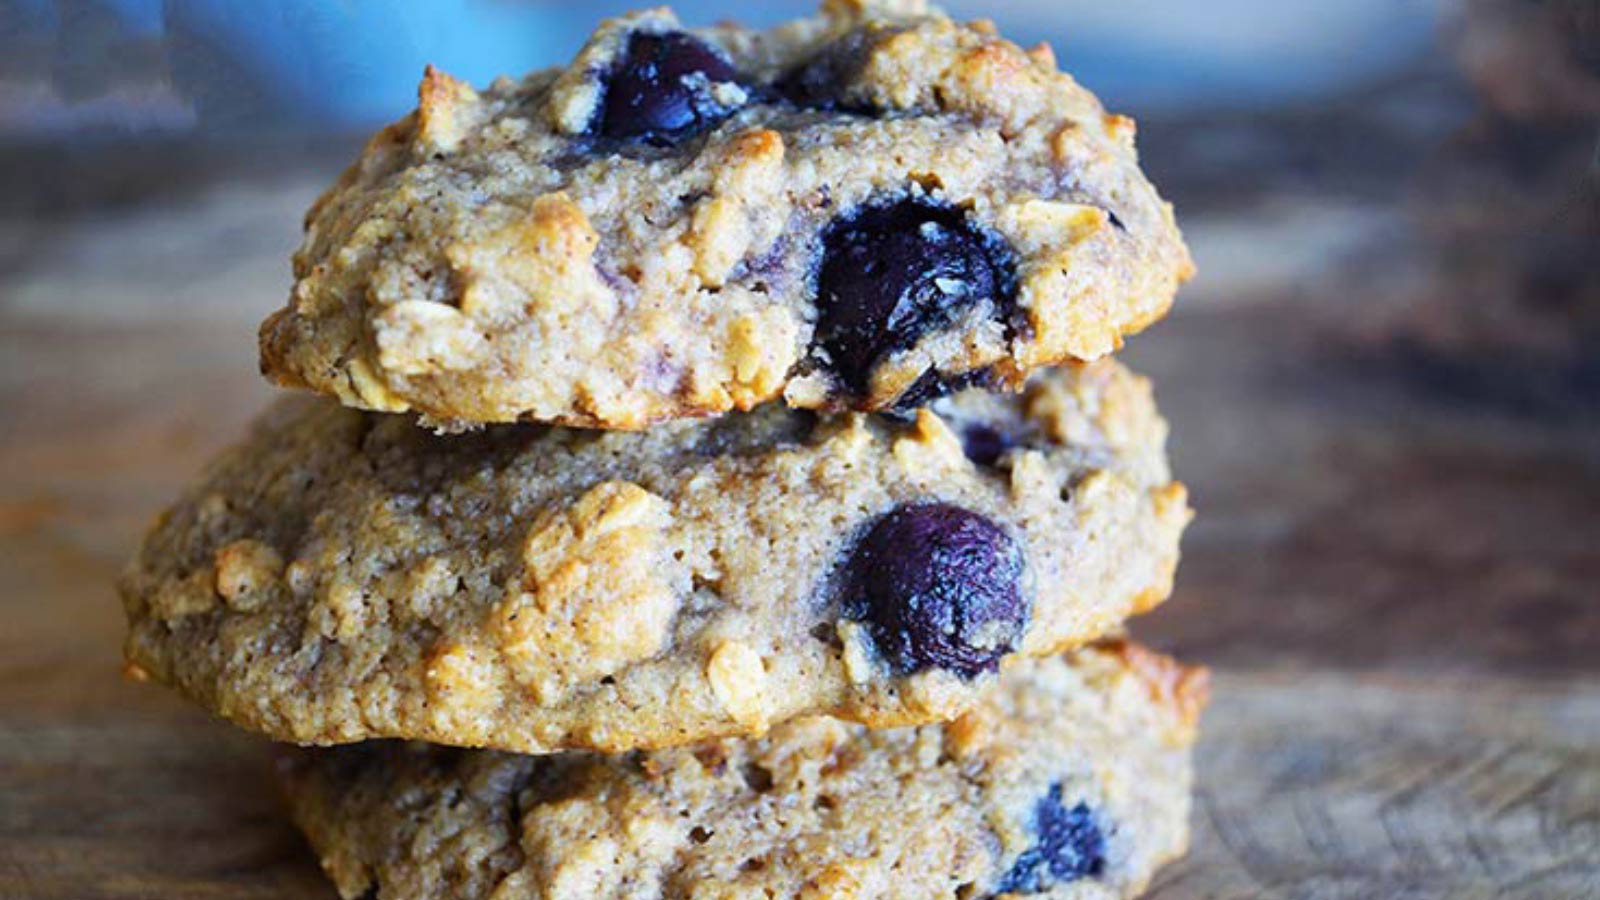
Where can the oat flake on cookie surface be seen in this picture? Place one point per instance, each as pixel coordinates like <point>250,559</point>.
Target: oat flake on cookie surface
<point>859,210</point>
<point>1068,780</point>
<point>345,575</point>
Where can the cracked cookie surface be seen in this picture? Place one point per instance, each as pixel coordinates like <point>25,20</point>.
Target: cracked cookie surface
<point>1068,780</point>
<point>850,211</point>
<point>345,575</point>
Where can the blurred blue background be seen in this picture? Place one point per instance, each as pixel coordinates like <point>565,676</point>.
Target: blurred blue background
<point>121,66</point>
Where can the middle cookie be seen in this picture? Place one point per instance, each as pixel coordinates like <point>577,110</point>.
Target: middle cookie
<point>346,575</point>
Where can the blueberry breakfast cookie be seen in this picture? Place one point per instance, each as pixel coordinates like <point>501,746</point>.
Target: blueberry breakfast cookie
<point>346,575</point>
<point>1068,779</point>
<point>860,210</point>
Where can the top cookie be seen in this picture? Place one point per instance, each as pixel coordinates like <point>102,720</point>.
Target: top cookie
<point>857,210</point>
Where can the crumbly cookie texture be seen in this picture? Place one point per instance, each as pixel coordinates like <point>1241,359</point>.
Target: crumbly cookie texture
<point>1069,780</point>
<point>345,575</point>
<point>641,235</point>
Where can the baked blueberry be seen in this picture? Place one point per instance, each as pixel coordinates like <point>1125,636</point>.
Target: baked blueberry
<point>893,272</point>
<point>662,89</point>
<point>818,82</point>
<point>933,384</point>
<point>939,587</point>
<point>1070,846</point>
<point>984,444</point>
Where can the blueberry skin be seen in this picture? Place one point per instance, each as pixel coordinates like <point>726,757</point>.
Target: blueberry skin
<point>939,587</point>
<point>660,91</point>
<point>985,445</point>
<point>891,273</point>
<point>933,384</point>
<point>818,82</point>
<point>1071,846</point>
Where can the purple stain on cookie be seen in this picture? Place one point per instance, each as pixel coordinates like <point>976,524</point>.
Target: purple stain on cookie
<point>894,272</point>
<point>1070,845</point>
<point>661,91</point>
<point>938,587</point>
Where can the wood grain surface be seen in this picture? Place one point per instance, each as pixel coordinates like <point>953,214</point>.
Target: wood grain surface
<point>1394,572</point>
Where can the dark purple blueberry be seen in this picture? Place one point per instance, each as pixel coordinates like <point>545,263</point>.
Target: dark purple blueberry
<point>985,445</point>
<point>660,92</point>
<point>933,384</point>
<point>894,272</point>
<point>1070,846</point>
<point>939,587</point>
<point>819,82</point>
<point>810,85</point>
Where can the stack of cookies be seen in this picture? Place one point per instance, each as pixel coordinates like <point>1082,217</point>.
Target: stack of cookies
<point>712,441</point>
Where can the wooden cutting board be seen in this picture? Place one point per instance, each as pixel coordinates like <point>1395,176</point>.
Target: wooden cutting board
<point>1396,580</point>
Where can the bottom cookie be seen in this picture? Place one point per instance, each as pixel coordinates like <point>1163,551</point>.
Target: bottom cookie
<point>1069,780</point>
